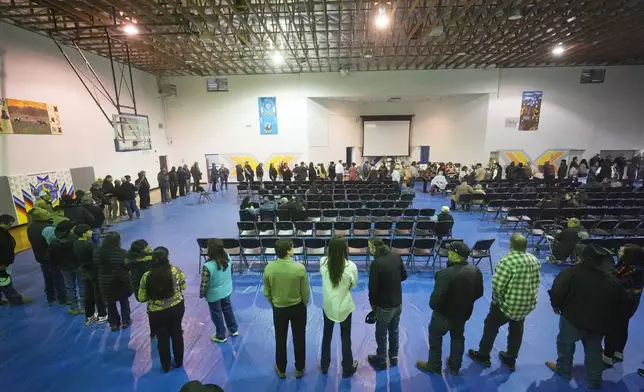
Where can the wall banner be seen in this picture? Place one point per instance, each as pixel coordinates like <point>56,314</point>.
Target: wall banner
<point>530,110</point>
<point>267,115</point>
<point>29,118</point>
<point>25,189</point>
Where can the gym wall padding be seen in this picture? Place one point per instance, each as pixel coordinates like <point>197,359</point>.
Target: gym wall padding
<point>83,177</point>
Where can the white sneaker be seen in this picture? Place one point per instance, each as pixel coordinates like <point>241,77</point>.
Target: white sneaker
<point>90,320</point>
<point>101,320</point>
<point>618,356</point>
<point>235,333</point>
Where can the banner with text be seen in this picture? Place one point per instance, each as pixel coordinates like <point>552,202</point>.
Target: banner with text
<point>267,115</point>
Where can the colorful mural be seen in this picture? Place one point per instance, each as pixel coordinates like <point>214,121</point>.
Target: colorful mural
<point>240,159</point>
<point>267,115</point>
<point>28,117</point>
<point>554,156</point>
<point>25,189</point>
<point>530,110</point>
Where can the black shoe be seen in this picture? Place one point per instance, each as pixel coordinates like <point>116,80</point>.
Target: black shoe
<point>354,369</point>
<point>478,357</point>
<point>509,362</point>
<point>393,361</point>
<point>373,361</point>
<point>115,327</point>
<point>176,364</point>
<point>640,372</point>
<point>453,372</point>
<point>324,369</point>
<point>126,324</point>
<point>426,367</point>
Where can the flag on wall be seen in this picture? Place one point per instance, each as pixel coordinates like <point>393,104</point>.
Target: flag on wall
<point>28,117</point>
<point>267,115</point>
<point>530,110</point>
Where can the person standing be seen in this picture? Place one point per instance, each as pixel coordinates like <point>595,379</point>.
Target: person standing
<point>138,261</point>
<point>174,183</point>
<point>223,176</point>
<point>313,174</point>
<point>7,257</point>
<point>332,171</point>
<point>117,192</point>
<point>87,201</point>
<point>214,177</point>
<point>456,290</point>
<point>110,193</point>
<point>75,212</point>
<point>562,172</point>
<point>84,249</point>
<point>61,253</point>
<point>272,172</point>
<point>188,181</point>
<point>128,194</point>
<point>386,274</point>
<point>143,186</point>
<point>287,174</point>
<point>515,286</point>
<point>216,287</point>
<point>181,180</point>
<point>162,288</point>
<point>589,302</point>
<point>54,281</point>
<point>629,272</point>
<point>286,287</point>
<point>339,276</point>
<point>259,171</point>
<point>353,172</point>
<point>249,174</point>
<point>114,280</point>
<point>164,185</point>
<point>196,176</point>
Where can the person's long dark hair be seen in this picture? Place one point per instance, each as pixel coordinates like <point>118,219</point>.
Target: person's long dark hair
<point>632,255</point>
<point>246,203</point>
<point>160,284</point>
<point>137,250</point>
<point>111,242</point>
<point>381,248</point>
<point>217,253</point>
<point>337,255</point>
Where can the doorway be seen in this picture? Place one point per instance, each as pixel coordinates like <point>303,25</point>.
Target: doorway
<point>349,156</point>
<point>210,159</point>
<point>163,162</point>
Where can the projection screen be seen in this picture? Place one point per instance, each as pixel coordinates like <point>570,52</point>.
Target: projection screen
<point>386,138</point>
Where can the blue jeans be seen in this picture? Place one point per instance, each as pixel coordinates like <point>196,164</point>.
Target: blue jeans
<point>96,235</point>
<point>165,197</point>
<point>10,293</point>
<point>54,283</point>
<point>74,282</point>
<point>219,311</point>
<point>568,336</point>
<point>387,324</point>
<point>130,206</point>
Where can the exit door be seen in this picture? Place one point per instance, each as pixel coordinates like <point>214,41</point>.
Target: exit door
<point>210,159</point>
<point>163,162</point>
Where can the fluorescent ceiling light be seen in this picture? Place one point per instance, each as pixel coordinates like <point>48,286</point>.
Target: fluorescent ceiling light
<point>277,58</point>
<point>558,50</point>
<point>368,54</point>
<point>382,20</point>
<point>130,29</point>
<point>516,15</point>
<point>572,18</point>
<point>436,31</point>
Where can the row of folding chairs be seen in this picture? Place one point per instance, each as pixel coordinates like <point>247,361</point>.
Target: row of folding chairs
<point>499,207</point>
<point>384,229</point>
<point>346,214</point>
<point>626,221</point>
<point>613,244</point>
<point>371,204</point>
<point>246,250</point>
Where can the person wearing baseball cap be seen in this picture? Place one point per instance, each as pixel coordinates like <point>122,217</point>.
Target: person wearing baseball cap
<point>590,303</point>
<point>457,288</point>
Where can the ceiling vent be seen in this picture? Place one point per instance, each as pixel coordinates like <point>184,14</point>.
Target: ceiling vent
<point>593,75</point>
<point>394,99</point>
<point>217,85</point>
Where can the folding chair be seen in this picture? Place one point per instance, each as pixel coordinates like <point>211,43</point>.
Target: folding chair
<point>378,214</point>
<point>442,250</point>
<point>342,228</point>
<point>232,247</point>
<point>394,214</point>
<point>204,196</point>
<point>354,205</point>
<point>327,205</point>
<point>268,248</point>
<point>284,229</point>
<point>340,205</point>
<point>382,229</point>
<point>403,204</point>
<point>627,228</point>
<point>323,229</point>
<point>265,229</point>
<point>345,215</point>
<point>283,215</point>
<point>330,215</point>
<point>250,248</point>
<point>203,250</point>
<point>513,216</point>
<point>312,205</point>
<point>411,214</point>
<point>386,204</point>
<point>242,191</point>
<point>314,247</point>
<point>246,229</point>
<point>298,249</point>
<point>362,229</point>
<point>314,215</point>
<point>359,247</point>
<point>267,215</point>
<point>362,214</point>
<point>481,250</point>
<point>404,228</point>
<point>402,247</point>
<point>493,206</point>
<point>372,204</point>
<point>604,228</point>
<point>409,198</point>
<point>425,229</point>
<point>426,213</point>
<point>304,228</point>
<point>423,248</point>
<point>443,229</point>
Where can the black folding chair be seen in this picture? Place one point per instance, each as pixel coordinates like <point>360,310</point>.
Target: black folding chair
<point>284,229</point>
<point>345,215</point>
<point>426,213</point>
<point>411,214</point>
<point>404,228</point>
<point>342,228</point>
<point>246,229</point>
<point>314,215</point>
<point>265,229</point>
<point>481,250</point>
<point>627,228</point>
<point>304,229</point>
<point>361,229</point>
<point>283,215</point>
<point>382,229</point>
<point>323,229</point>
<point>362,214</point>
<point>423,247</point>
<point>443,229</point>
<point>314,248</point>
<point>232,247</point>
<point>359,247</point>
<point>425,229</point>
<point>330,215</point>
<point>402,247</point>
<point>203,250</point>
<point>442,250</point>
<point>251,248</point>
<point>268,248</point>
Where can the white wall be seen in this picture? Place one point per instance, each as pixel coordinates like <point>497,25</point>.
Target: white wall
<point>37,71</point>
<point>466,125</point>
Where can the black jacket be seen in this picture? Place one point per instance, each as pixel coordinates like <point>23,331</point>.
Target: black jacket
<point>240,173</point>
<point>313,175</point>
<point>162,179</point>
<point>589,299</point>
<point>61,250</point>
<point>143,185</point>
<point>260,171</point>
<point>331,171</point>
<point>563,171</point>
<point>97,213</point>
<point>137,268</point>
<point>78,214</point>
<point>386,274</point>
<point>172,177</point>
<point>567,239</point>
<point>181,176</point>
<point>84,251</point>
<point>372,176</point>
<point>113,277</point>
<point>272,172</point>
<point>7,248</point>
<point>117,192</point>
<point>287,175</point>
<point>444,217</point>
<point>456,289</point>
<point>127,191</point>
<point>99,197</point>
<point>196,173</point>
<point>108,188</point>
<point>38,243</point>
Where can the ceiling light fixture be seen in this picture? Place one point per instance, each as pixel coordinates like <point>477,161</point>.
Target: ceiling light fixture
<point>558,50</point>
<point>382,20</point>
<point>516,15</point>
<point>368,54</point>
<point>130,29</point>
<point>277,58</point>
<point>572,18</point>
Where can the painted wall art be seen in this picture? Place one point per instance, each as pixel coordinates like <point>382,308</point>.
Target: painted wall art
<point>530,110</point>
<point>26,188</point>
<point>22,117</point>
<point>267,115</point>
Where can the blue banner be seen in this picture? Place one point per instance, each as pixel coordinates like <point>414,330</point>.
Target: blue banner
<point>267,115</point>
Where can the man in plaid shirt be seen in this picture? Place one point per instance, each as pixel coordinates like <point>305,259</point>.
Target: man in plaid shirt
<point>514,295</point>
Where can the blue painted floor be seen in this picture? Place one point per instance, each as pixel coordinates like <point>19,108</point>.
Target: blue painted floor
<point>44,349</point>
